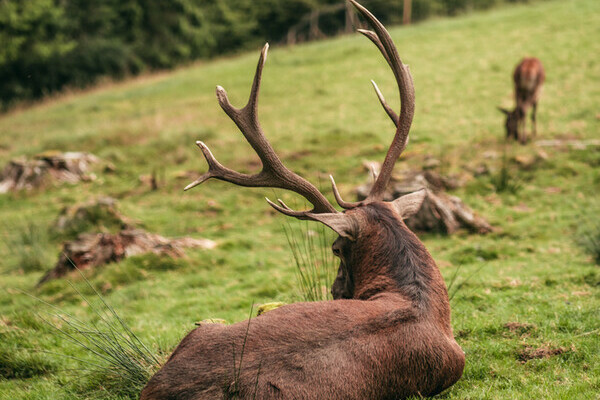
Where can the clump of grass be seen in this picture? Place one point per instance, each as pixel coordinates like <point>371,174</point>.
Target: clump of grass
<point>16,364</point>
<point>589,240</point>
<point>471,254</point>
<point>315,265</point>
<point>118,362</point>
<point>30,244</point>
<point>157,262</point>
<point>454,286</point>
<point>504,180</point>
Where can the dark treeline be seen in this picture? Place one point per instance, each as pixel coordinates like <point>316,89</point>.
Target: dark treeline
<point>47,45</point>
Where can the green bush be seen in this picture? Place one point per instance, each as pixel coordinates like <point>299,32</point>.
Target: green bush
<point>589,239</point>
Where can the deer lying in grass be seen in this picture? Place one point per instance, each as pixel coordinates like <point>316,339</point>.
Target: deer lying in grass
<point>387,334</point>
<point>528,77</point>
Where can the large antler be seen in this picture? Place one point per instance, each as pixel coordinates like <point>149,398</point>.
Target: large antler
<point>381,38</point>
<point>273,173</point>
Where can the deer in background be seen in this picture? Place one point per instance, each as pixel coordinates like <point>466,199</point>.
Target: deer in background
<point>528,77</point>
<point>386,334</point>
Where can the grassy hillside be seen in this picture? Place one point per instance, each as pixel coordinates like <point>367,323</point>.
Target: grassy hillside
<point>318,110</point>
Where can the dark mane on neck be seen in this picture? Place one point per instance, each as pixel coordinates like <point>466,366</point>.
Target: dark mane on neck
<point>411,264</point>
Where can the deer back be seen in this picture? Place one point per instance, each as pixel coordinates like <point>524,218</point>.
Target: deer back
<point>528,77</point>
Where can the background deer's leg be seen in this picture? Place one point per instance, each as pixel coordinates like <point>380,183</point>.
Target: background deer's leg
<point>522,130</point>
<point>533,120</point>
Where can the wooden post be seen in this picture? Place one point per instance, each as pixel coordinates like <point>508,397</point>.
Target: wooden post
<point>407,11</point>
<point>314,32</point>
<point>350,18</point>
<point>291,36</point>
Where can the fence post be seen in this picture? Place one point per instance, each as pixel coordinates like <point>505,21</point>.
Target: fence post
<point>350,19</point>
<point>314,32</point>
<point>406,12</point>
<point>291,36</point>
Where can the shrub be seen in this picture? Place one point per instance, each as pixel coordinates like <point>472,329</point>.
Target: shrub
<point>30,246</point>
<point>505,180</point>
<point>589,239</point>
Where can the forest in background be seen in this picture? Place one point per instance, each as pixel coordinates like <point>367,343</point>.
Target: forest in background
<point>49,45</point>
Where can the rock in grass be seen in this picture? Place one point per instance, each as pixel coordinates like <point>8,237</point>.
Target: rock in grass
<point>50,166</point>
<point>441,212</point>
<point>264,308</point>
<point>91,250</point>
<point>210,321</point>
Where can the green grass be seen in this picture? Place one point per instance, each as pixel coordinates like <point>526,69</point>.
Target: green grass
<point>319,111</point>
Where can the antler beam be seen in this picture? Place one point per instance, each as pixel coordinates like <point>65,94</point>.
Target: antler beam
<point>382,39</point>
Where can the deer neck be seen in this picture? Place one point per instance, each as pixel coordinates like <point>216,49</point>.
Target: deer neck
<point>396,261</point>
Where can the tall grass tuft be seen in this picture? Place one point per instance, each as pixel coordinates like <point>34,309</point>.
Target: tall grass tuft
<point>315,263</point>
<point>589,239</point>
<point>30,246</point>
<point>119,364</point>
<point>453,287</point>
<point>21,364</point>
<point>505,181</point>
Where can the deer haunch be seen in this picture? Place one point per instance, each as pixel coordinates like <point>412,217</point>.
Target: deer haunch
<point>387,334</point>
<point>347,349</point>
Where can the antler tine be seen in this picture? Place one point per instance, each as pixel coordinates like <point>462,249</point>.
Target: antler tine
<point>390,112</point>
<point>284,209</point>
<point>273,173</point>
<point>373,37</point>
<point>336,193</point>
<point>381,38</point>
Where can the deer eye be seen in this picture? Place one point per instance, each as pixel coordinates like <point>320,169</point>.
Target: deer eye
<point>336,251</point>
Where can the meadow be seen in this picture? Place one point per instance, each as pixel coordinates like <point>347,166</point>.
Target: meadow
<point>528,286</point>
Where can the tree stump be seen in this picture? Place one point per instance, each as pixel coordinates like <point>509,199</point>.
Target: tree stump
<point>440,212</point>
<point>101,213</point>
<point>70,167</point>
<point>91,250</point>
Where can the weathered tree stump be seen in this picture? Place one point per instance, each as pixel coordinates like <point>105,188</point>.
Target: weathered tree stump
<point>70,167</point>
<point>91,250</point>
<point>101,213</point>
<point>440,211</point>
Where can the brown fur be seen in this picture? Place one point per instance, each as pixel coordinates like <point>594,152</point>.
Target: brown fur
<point>387,336</point>
<point>528,79</point>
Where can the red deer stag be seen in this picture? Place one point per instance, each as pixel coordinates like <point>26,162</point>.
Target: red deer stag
<point>387,334</point>
<point>529,76</point>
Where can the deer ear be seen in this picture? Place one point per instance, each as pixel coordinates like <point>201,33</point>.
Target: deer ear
<point>503,110</point>
<point>409,204</point>
<point>344,225</point>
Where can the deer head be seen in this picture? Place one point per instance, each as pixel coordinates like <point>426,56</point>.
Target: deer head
<point>513,121</point>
